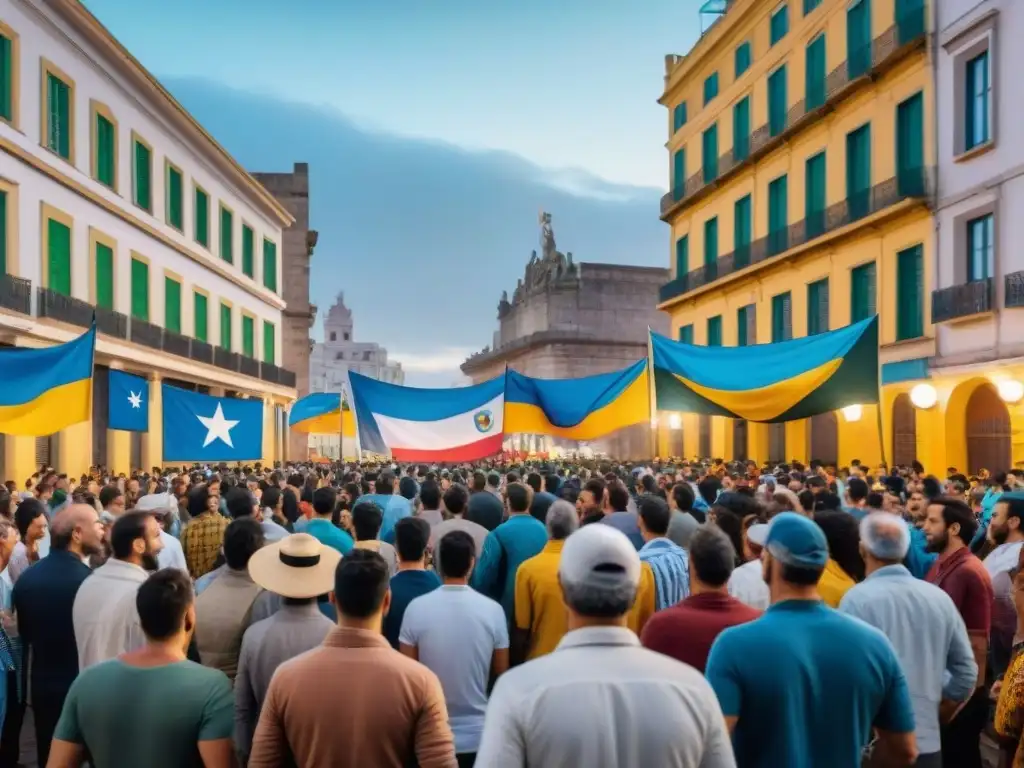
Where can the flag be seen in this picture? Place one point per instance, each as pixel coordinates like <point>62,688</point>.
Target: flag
<point>204,428</point>
<point>43,391</point>
<point>321,413</point>
<point>427,425</point>
<point>128,398</point>
<point>578,409</point>
<point>770,382</point>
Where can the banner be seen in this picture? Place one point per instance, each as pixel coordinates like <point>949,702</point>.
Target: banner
<point>128,401</point>
<point>203,428</point>
<point>320,413</point>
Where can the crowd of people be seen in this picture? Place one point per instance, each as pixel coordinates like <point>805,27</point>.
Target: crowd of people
<point>540,613</point>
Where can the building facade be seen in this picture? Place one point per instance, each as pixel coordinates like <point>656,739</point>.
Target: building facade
<point>114,200</point>
<point>802,151</point>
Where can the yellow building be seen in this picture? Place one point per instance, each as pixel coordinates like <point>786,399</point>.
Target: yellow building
<point>801,143</point>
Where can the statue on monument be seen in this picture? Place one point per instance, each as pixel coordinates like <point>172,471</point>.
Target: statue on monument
<point>547,236</point>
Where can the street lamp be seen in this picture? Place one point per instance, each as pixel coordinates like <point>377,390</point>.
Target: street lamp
<point>924,396</point>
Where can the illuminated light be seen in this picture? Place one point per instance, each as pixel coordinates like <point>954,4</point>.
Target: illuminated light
<point>675,421</point>
<point>853,412</point>
<point>1010,390</point>
<point>924,396</point>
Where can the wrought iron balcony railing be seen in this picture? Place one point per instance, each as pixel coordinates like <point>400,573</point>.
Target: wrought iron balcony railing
<point>66,309</point>
<point>964,300</point>
<point>16,294</point>
<point>146,334</point>
<point>1014,289</point>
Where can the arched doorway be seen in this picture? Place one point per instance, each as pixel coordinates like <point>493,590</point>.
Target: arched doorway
<point>704,436</point>
<point>904,431</point>
<point>825,438</point>
<point>988,431</point>
<point>776,443</point>
<point>739,440</point>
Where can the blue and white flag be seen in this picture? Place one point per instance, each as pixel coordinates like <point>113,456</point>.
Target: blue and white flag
<point>204,428</point>
<point>128,398</point>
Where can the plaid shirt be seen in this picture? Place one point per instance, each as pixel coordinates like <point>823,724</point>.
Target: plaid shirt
<point>201,540</point>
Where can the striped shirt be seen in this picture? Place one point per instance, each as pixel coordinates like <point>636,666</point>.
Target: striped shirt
<point>670,564</point>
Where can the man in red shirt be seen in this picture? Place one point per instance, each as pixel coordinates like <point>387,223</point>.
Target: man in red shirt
<point>686,630</point>
<point>948,527</point>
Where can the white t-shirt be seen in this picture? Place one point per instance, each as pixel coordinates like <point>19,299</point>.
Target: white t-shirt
<point>747,585</point>
<point>457,630</point>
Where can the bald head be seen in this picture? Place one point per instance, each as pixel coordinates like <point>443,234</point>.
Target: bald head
<point>885,537</point>
<point>77,518</point>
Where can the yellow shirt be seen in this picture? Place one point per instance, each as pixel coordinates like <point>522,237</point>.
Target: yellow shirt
<point>643,608</point>
<point>833,583</point>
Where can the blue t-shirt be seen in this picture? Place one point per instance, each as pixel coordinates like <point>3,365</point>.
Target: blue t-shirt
<point>406,586</point>
<point>329,534</point>
<point>807,684</point>
<point>506,548</point>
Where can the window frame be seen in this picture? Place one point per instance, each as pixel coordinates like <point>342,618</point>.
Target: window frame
<point>98,237</point>
<point>739,71</point>
<point>46,213</point>
<point>169,166</point>
<point>781,11</point>
<point>197,291</point>
<point>223,208</point>
<point>47,69</point>
<point>245,314</point>
<point>15,118</point>
<point>135,256</point>
<point>137,138</point>
<point>273,335</point>
<point>198,189</point>
<point>246,227</point>
<point>98,109</point>
<point>221,306</point>
<point>10,230</point>
<point>712,87</point>
<point>962,46</point>
<point>173,277</point>
<point>275,288</point>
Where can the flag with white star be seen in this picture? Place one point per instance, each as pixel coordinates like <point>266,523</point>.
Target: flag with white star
<point>128,396</point>
<point>204,428</point>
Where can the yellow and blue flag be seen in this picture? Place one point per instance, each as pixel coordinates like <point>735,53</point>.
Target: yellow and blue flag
<point>43,391</point>
<point>321,413</point>
<point>586,408</point>
<point>775,382</point>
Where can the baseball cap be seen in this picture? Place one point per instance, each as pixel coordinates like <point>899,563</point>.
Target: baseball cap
<point>601,555</point>
<point>791,539</point>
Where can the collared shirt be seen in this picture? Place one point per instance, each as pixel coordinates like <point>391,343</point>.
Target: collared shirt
<point>747,585</point>
<point>172,555</point>
<point>999,562</point>
<point>506,548</point>
<point>358,679</point>
<point>962,576</point>
<point>592,703</point>
<point>834,583</point>
<point>628,523</point>
<point>485,508</point>
<point>328,533</point>
<point>398,507</point>
<point>105,617</point>
<point>540,608</point>
<point>267,644</point>
<point>202,539</point>
<point>930,639</point>
<point>671,566</point>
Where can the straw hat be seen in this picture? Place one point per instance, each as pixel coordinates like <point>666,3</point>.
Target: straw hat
<point>296,566</point>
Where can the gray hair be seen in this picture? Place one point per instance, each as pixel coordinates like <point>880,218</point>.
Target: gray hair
<point>605,599</point>
<point>561,520</point>
<point>885,536</point>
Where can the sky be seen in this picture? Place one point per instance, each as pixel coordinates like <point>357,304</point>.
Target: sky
<point>435,130</point>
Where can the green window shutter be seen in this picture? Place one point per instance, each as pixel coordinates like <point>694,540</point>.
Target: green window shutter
<point>782,323</point>
<point>978,96</point>
<point>815,73</point>
<point>679,173</point>
<point>910,145</point>
<point>106,152</point>
<point>909,293</point>
<point>248,250</point>
<point>711,241</point>
<point>172,305</point>
<point>202,218</point>
<point>269,343</point>
<point>140,290</point>
<point>143,174</point>
<point>59,257</point>
<point>710,87</point>
<point>777,101</point>
<point>741,129</point>
<point>779,25</point>
<point>980,248</point>
<point>858,38</point>
<point>709,154</point>
<point>201,309</point>
<point>778,215</point>
<point>817,307</point>
<point>270,264</point>
<point>3,232</point>
<point>58,112</point>
<point>225,327</point>
<point>815,188</point>
<point>682,256</point>
<point>248,336</point>
<point>742,231</point>
<point>175,198</point>
<point>686,334</point>
<point>862,292</point>
<point>910,20</point>
<point>227,235</point>
<point>742,59</point>
<point>715,331</point>
<point>104,276</point>
<point>6,79</point>
<point>858,172</point>
<point>810,5</point>
<point>679,116</point>
<point>741,327</point>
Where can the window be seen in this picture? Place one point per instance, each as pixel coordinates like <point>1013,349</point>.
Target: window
<point>682,256</point>
<point>103,266</point>
<point>679,116</point>
<point>715,331</point>
<point>270,264</point>
<point>201,311</point>
<point>741,129</point>
<point>334,337</point>
<point>778,215</point>
<point>140,289</point>
<point>225,326</point>
<point>227,235</point>
<point>346,335</point>
<point>172,304</point>
<point>814,195</point>
<point>742,230</point>
<point>4,230</point>
<point>858,172</point>
<point>248,336</point>
<point>862,292</point>
<point>779,25</point>
<point>817,307</point>
<point>709,154</point>
<point>742,59</point>
<point>910,146</point>
<point>678,173</point>
<point>248,251</point>
<point>686,334</point>
<point>269,339</point>
<point>711,242</point>
<point>58,112</point>
<point>142,174</point>
<point>746,325</point>
<point>777,106</point>
<point>810,5</point>
<point>978,82</point>
<point>175,187</point>
<point>104,146</point>
<point>815,73</point>
<point>858,38</point>
<point>981,248</point>
<point>202,217</point>
<point>909,293</point>
<point>782,317</point>
<point>710,87</point>
<point>910,20</point>
<point>8,72</point>
<point>57,246</point>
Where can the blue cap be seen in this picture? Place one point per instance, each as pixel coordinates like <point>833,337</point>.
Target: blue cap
<point>796,540</point>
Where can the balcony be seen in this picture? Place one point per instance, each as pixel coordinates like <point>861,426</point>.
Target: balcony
<point>964,300</point>
<point>57,306</point>
<point>909,185</point>
<point>147,334</point>
<point>201,352</point>
<point>16,294</point>
<point>1014,285</point>
<point>270,373</point>
<point>111,323</point>
<point>176,344</point>
<point>287,377</point>
<point>907,35</point>
<point>225,358</point>
<point>249,366</point>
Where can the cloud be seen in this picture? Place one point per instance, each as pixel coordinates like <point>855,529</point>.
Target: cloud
<point>444,360</point>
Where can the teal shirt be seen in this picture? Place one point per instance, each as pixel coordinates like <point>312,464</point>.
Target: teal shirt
<point>152,716</point>
<point>506,548</point>
<point>329,534</point>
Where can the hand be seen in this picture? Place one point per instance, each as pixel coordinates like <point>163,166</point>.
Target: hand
<point>993,693</point>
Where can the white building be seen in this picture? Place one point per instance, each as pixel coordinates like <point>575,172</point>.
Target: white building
<point>113,198</point>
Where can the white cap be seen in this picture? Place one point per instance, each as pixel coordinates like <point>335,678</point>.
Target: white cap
<point>599,554</point>
<point>758,533</point>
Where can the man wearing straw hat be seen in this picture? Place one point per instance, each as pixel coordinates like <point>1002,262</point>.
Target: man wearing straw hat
<point>298,568</point>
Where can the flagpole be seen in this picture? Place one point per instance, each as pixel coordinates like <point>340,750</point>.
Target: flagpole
<point>341,437</point>
<point>652,405</point>
<point>878,408</point>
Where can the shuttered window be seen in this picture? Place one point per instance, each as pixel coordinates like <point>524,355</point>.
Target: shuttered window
<point>58,241</point>
<point>858,38</point>
<point>981,248</point>
<point>815,73</point>
<point>715,331</point>
<point>779,24</point>
<point>742,59</point>
<point>817,307</point>
<point>777,101</point>
<point>270,264</point>
<point>201,317</point>
<point>686,334</point>
<point>269,343</point>
<point>910,145</point>
<point>710,87</point>
<point>782,317</point>
<point>202,218</point>
<point>106,151</point>
<point>140,290</point>
<point>175,198</point>
<point>172,305</point>
<point>709,154</point>
<point>746,325</point>
<point>862,292</point>
<point>678,116</point>
<point>858,172</point>
<point>248,336</point>
<point>910,293</point>
<point>104,270</point>
<point>227,235</point>
<point>142,175</point>
<point>58,116</point>
<point>741,129</point>
<point>711,241</point>
<point>815,188</point>
<point>810,5</point>
<point>678,173</point>
<point>978,99</point>
<point>4,232</point>
<point>6,78</point>
<point>225,326</point>
<point>682,256</point>
<point>742,231</point>
<point>778,215</point>
<point>248,251</point>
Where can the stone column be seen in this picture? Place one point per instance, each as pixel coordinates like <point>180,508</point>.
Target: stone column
<point>19,459</point>
<point>153,440</point>
<point>797,440</point>
<point>757,442</point>
<point>691,435</point>
<point>269,454</point>
<point>74,449</point>
<point>859,439</point>
<point>721,438</point>
<point>119,451</point>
